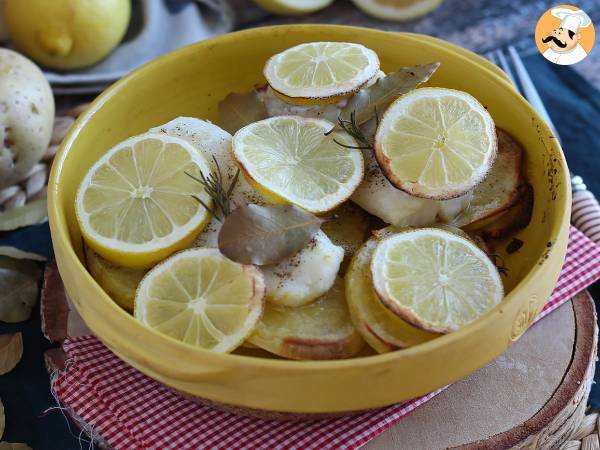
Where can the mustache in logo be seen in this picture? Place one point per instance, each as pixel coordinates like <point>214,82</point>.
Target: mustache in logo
<point>555,40</point>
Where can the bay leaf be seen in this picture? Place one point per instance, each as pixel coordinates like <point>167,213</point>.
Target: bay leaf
<point>11,350</point>
<point>29,214</point>
<point>2,419</point>
<point>238,110</point>
<point>14,446</point>
<point>374,99</point>
<point>13,252</point>
<point>19,284</point>
<point>261,235</point>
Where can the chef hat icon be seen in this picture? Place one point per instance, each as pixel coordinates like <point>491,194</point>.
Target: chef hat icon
<point>571,19</point>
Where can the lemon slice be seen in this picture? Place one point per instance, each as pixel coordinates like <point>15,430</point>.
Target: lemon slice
<point>289,158</point>
<point>320,330</point>
<point>202,298</point>
<point>321,70</point>
<point>293,7</point>
<point>434,279</point>
<point>381,328</point>
<point>120,283</point>
<point>399,10</point>
<point>436,143</point>
<point>135,205</point>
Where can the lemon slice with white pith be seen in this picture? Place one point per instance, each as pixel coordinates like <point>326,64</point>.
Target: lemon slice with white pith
<point>291,159</point>
<point>135,205</point>
<point>436,143</point>
<point>434,279</point>
<point>202,298</point>
<point>321,70</point>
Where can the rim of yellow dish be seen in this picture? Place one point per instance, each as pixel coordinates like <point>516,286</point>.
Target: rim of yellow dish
<point>186,371</point>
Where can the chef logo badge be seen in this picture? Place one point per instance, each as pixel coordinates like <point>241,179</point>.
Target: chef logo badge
<point>564,35</point>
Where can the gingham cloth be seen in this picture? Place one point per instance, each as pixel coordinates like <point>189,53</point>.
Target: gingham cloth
<point>131,411</point>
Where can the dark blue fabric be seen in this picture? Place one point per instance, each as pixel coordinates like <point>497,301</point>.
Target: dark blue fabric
<point>574,107</point>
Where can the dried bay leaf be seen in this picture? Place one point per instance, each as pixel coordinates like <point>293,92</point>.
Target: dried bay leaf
<point>238,110</point>
<point>13,252</point>
<point>14,446</point>
<point>263,235</point>
<point>11,350</point>
<point>30,214</point>
<point>374,99</point>
<point>19,284</point>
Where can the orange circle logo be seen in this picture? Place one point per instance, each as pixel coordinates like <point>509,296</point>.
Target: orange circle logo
<point>564,35</point>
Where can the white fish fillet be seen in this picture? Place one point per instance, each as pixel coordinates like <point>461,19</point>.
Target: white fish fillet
<point>305,276</point>
<point>379,197</point>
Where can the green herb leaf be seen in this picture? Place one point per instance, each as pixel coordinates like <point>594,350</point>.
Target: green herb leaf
<point>11,351</point>
<point>30,214</point>
<point>215,188</point>
<point>367,102</point>
<point>19,284</point>
<point>263,235</point>
<point>238,110</point>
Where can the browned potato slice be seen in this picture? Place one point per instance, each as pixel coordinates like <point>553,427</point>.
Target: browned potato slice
<point>120,283</point>
<point>499,190</point>
<point>514,218</point>
<point>319,330</point>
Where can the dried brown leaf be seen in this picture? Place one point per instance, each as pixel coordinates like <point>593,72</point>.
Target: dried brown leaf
<point>263,235</point>
<point>238,110</point>
<point>11,350</point>
<point>30,214</point>
<point>13,252</point>
<point>19,284</point>
<point>14,446</point>
<point>374,99</point>
<point>54,310</point>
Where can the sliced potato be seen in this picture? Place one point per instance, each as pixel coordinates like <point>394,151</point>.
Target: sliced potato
<point>499,190</point>
<point>319,330</point>
<point>348,228</point>
<point>381,328</point>
<point>120,283</point>
<point>514,218</point>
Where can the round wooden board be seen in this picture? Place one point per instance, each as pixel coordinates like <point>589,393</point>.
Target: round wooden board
<point>512,398</point>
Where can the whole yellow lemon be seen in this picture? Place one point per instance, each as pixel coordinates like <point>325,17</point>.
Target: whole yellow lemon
<point>67,34</point>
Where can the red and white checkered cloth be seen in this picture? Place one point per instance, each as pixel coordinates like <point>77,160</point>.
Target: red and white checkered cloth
<point>132,411</point>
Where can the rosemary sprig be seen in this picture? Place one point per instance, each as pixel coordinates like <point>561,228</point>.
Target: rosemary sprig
<point>352,128</point>
<point>215,188</point>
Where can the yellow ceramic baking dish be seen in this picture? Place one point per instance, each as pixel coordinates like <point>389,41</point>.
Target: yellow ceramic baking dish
<point>191,82</point>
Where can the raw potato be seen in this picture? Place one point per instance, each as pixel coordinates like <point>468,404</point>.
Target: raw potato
<point>14,446</point>
<point>11,351</point>
<point>319,330</point>
<point>26,116</point>
<point>500,189</point>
